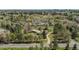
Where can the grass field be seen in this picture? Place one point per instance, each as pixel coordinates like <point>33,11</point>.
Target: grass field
<point>13,49</point>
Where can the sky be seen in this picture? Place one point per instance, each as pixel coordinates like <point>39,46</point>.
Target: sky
<point>39,4</point>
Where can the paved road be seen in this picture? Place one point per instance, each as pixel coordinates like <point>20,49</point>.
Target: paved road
<point>72,42</point>
<point>34,44</point>
<point>18,45</point>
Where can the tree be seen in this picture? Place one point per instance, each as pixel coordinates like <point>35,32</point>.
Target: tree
<point>70,17</point>
<point>61,33</point>
<point>74,47</point>
<point>67,47</point>
<point>12,37</point>
<point>74,30</point>
<point>44,33</point>
<point>55,44</point>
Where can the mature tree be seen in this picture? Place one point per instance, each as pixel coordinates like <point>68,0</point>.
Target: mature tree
<point>67,47</point>
<point>55,44</point>
<point>74,29</point>
<point>44,33</point>
<point>61,34</point>
<point>74,47</point>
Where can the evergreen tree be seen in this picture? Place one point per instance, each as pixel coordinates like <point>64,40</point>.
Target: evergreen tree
<point>67,47</point>
<point>74,47</point>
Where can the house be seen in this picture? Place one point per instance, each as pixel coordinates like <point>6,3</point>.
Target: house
<point>27,27</point>
<point>3,35</point>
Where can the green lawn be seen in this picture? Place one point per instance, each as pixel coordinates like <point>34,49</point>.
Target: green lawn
<point>13,49</point>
